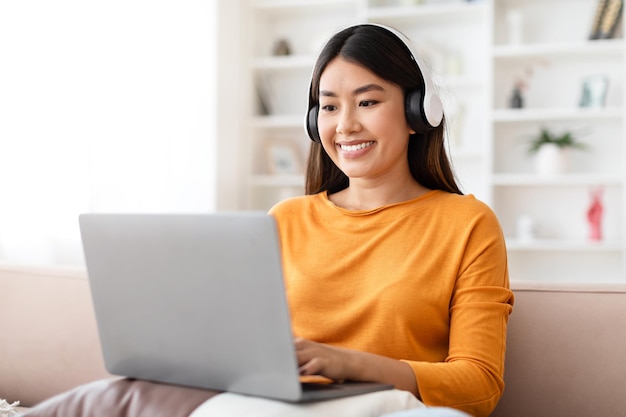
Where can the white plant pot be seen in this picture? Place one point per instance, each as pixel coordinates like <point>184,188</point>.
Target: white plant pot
<point>551,160</point>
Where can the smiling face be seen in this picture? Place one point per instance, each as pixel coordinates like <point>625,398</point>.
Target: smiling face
<point>362,123</point>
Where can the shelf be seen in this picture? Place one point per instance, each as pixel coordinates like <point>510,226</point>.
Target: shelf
<point>289,62</point>
<point>277,180</point>
<point>279,121</point>
<point>532,180</point>
<point>561,245</point>
<point>425,12</point>
<point>286,5</point>
<point>460,152</point>
<point>552,50</point>
<point>459,81</point>
<point>550,114</point>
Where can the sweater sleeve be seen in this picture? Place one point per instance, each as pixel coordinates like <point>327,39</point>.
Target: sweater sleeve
<point>471,378</point>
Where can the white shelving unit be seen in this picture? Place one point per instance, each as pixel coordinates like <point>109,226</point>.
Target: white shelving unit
<point>560,56</point>
<point>282,82</point>
<point>474,61</point>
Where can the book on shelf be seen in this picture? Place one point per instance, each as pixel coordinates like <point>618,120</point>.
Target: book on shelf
<point>606,19</point>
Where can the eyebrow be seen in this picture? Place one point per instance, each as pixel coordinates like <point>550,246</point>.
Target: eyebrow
<point>356,92</point>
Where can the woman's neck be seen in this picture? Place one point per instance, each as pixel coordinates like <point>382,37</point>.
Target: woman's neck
<point>364,195</point>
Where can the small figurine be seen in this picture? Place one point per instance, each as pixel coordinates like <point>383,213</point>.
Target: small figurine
<point>517,100</point>
<point>525,229</point>
<point>594,215</point>
<point>282,48</point>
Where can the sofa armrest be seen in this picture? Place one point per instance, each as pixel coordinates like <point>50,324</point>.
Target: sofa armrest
<point>565,350</point>
<point>48,336</point>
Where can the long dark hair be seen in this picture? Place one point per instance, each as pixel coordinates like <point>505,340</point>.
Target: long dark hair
<point>380,51</point>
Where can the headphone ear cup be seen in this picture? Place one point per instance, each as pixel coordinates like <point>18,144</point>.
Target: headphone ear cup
<point>414,111</point>
<point>311,124</point>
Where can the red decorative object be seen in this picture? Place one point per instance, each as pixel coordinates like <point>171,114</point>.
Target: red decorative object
<point>594,215</point>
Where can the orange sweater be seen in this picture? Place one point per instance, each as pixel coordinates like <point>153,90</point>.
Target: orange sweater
<point>423,281</point>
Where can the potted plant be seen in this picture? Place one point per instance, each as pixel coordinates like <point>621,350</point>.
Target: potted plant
<point>552,150</point>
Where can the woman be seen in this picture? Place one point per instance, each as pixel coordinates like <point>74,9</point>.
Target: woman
<point>392,274</point>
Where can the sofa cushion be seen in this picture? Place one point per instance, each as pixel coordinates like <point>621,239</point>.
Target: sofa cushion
<point>565,351</point>
<point>123,397</point>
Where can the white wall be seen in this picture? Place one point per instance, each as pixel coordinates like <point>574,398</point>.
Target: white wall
<point>231,111</point>
<point>104,106</point>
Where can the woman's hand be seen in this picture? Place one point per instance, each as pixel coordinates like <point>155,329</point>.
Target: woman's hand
<point>346,364</point>
<point>319,359</point>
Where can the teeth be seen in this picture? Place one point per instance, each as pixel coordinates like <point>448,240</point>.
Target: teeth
<point>352,148</point>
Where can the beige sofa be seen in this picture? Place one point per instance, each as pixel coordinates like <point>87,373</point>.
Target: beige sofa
<point>48,337</point>
<point>566,349</point>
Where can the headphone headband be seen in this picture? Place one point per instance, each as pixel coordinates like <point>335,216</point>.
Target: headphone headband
<point>424,110</point>
<point>433,109</point>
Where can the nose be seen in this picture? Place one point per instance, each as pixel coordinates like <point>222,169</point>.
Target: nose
<point>348,122</point>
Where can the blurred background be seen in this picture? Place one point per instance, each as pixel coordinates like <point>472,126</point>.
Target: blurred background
<point>198,106</point>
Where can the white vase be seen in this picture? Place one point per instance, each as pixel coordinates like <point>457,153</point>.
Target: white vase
<point>515,22</point>
<point>551,160</point>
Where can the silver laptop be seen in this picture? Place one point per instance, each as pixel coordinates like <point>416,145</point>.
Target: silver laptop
<point>197,300</point>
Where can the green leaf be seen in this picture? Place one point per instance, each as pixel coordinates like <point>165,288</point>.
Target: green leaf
<point>563,140</point>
